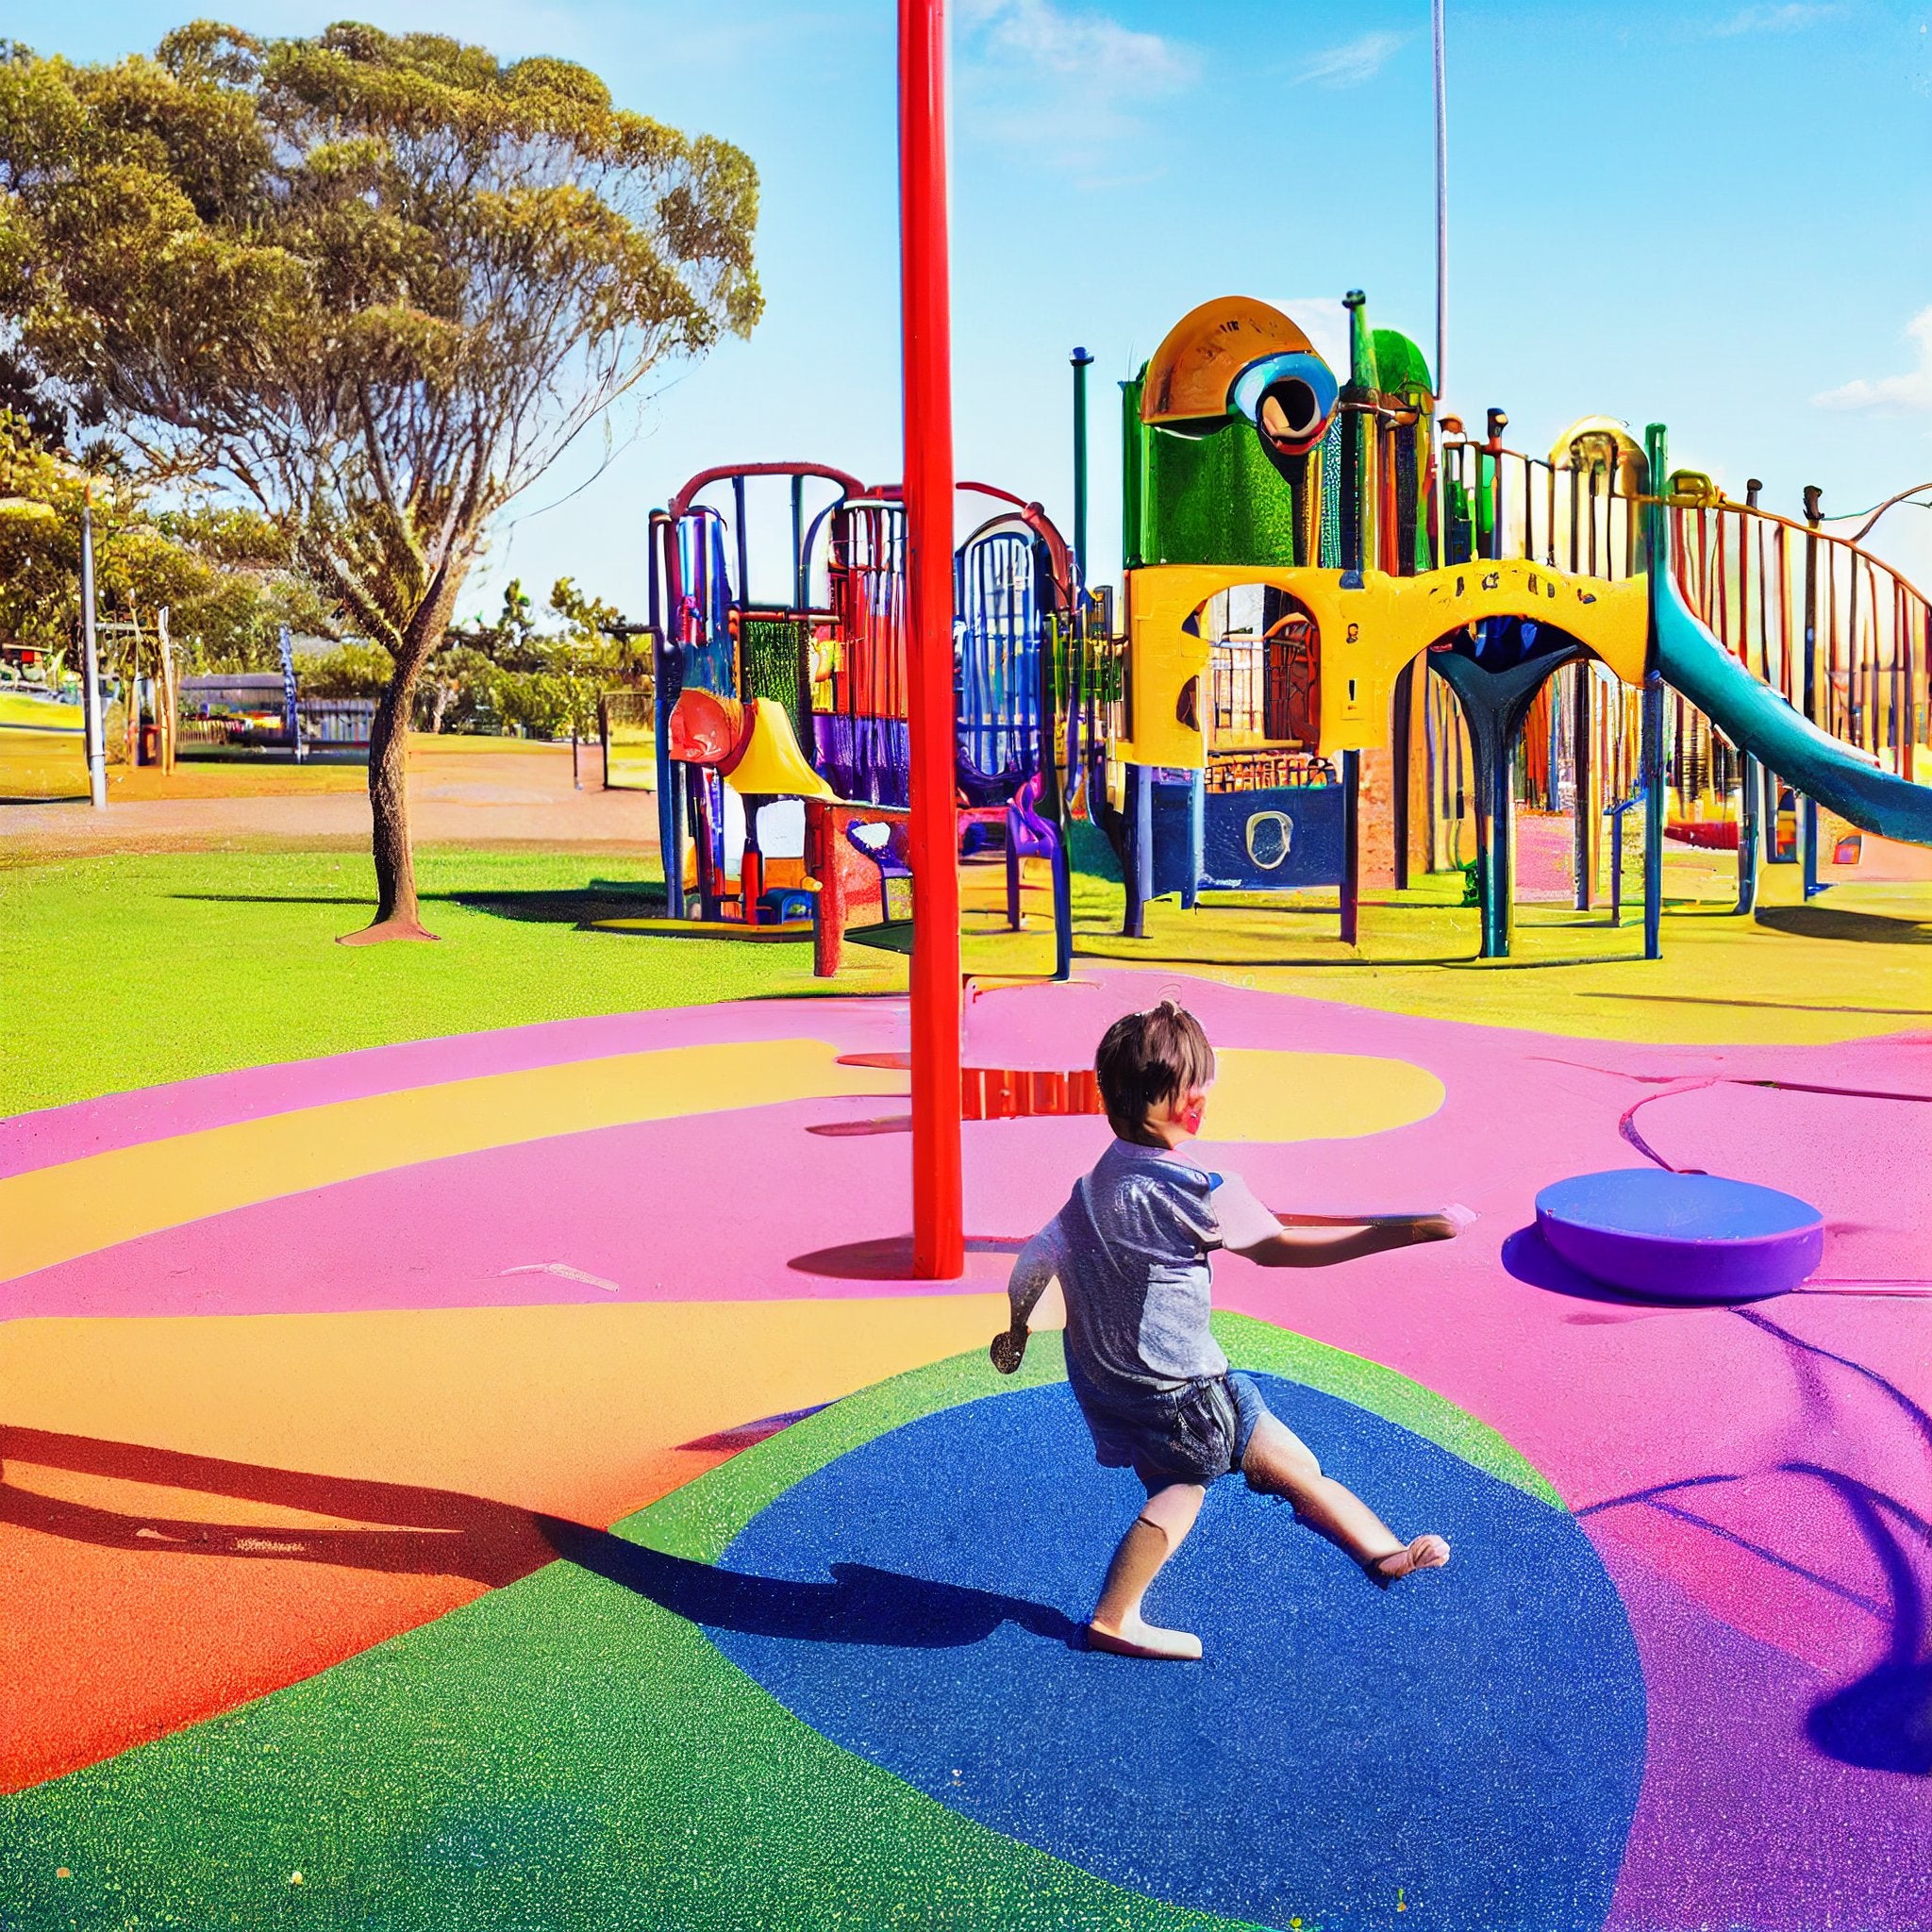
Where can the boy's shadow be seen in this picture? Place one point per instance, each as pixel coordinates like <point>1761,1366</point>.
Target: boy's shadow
<point>861,1605</point>
<point>408,1529</point>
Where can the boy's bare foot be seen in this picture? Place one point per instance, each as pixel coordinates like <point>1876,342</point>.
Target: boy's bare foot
<point>1144,1640</point>
<point>1425,1552</point>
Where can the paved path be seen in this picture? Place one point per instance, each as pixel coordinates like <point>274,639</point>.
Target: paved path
<point>461,792</point>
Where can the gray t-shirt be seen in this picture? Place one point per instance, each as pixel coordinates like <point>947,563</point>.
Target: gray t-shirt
<point>1130,1249</point>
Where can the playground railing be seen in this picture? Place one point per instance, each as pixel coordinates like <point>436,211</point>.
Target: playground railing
<point>1578,516</point>
<point>1837,632</point>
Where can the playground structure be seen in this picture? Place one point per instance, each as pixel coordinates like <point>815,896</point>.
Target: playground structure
<point>1295,550</point>
<point>783,728</point>
<point>1315,569</point>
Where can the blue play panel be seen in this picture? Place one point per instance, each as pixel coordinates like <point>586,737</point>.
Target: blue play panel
<point>1463,1751</point>
<point>1682,1237</point>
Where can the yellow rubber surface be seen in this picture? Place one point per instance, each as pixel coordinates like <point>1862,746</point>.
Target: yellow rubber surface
<point>1263,1094</point>
<point>53,1213</point>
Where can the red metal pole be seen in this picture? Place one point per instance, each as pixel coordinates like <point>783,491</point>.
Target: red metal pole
<point>939,1248</point>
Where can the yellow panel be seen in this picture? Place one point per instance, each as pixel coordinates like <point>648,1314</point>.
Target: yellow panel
<point>1366,635</point>
<point>772,765</point>
<point>52,1214</point>
<point>1163,660</point>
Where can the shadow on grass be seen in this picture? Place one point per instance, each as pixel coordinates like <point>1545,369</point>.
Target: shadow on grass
<point>578,906</point>
<point>1686,999</point>
<point>564,906</point>
<point>1840,923</point>
<point>1164,953</point>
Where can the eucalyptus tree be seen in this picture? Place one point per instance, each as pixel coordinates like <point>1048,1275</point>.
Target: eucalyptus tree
<point>375,284</point>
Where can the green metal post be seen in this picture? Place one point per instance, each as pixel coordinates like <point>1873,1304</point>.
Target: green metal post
<point>1082,361</point>
<point>1656,560</point>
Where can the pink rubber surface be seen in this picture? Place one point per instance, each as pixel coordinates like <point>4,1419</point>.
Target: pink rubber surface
<point>1717,1456</point>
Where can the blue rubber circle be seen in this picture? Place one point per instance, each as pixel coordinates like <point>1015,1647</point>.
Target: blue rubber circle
<point>1462,1751</point>
<point>1682,1237</point>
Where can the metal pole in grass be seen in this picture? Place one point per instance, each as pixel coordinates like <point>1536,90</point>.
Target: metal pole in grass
<point>1807,808</point>
<point>939,1248</point>
<point>90,662</point>
<point>1656,560</point>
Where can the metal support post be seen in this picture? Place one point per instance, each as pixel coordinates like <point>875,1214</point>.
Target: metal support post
<point>1351,844</point>
<point>939,1252</point>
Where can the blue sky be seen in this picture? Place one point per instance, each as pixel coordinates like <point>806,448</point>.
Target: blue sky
<point>1712,213</point>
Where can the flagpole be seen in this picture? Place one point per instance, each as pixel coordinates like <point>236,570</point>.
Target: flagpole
<point>1441,196</point>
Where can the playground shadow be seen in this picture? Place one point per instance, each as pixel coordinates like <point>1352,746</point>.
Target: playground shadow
<point>363,899</point>
<point>422,1532</point>
<point>886,1257</point>
<point>1111,948</point>
<point>1531,1259</point>
<point>1882,1721</point>
<point>429,1532</point>
<point>1841,923</point>
<point>1686,999</point>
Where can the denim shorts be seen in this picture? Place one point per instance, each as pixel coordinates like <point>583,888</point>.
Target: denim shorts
<point>1195,1434</point>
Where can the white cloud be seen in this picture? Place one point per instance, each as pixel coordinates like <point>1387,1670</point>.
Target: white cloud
<point>1069,86</point>
<point>1101,50</point>
<point>1784,17</point>
<point>1352,64</point>
<point>1898,395</point>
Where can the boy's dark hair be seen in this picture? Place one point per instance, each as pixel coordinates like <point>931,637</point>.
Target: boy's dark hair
<point>1146,1059</point>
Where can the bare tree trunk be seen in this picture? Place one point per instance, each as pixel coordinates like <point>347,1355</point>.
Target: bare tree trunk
<point>396,916</point>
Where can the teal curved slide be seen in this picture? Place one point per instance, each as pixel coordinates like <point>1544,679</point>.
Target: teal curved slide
<point>1758,720</point>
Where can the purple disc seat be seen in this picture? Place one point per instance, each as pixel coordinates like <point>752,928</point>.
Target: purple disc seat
<point>1681,1236</point>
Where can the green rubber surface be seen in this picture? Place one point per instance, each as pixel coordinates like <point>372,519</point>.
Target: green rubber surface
<point>566,1753</point>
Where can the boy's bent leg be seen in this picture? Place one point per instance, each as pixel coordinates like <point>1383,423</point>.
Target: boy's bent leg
<point>1152,1538</point>
<point>1279,1463</point>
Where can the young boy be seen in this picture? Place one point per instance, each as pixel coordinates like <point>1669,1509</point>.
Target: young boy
<point>1131,1252</point>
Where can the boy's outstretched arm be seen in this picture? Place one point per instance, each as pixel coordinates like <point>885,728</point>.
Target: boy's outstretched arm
<point>1319,1241</point>
<point>1035,1269</point>
<point>1326,1244</point>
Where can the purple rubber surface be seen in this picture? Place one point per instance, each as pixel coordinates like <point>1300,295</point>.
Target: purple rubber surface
<point>1682,1237</point>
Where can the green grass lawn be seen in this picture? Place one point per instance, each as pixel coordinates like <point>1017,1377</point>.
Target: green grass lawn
<point>125,970</point>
